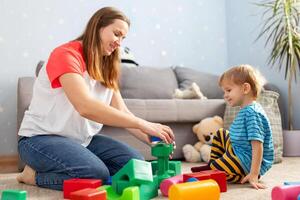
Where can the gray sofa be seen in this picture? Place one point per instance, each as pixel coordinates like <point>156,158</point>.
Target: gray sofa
<point>147,92</point>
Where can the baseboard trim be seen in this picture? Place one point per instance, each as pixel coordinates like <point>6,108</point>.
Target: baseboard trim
<point>9,164</point>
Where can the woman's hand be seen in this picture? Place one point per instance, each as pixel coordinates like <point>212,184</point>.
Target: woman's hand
<point>253,180</point>
<point>158,130</point>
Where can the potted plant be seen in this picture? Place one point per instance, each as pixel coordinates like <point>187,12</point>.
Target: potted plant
<point>281,28</point>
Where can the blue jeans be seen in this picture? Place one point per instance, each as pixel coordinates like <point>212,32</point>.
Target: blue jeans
<point>56,158</point>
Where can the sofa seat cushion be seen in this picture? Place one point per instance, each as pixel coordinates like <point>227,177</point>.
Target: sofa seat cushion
<point>147,83</point>
<point>175,110</point>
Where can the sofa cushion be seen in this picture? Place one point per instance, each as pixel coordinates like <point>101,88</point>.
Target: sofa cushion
<point>147,83</point>
<point>175,110</point>
<point>208,83</point>
<point>268,100</point>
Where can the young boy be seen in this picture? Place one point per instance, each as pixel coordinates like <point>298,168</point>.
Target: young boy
<point>246,152</point>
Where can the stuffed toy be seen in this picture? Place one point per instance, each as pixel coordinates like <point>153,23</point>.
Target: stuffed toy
<point>127,57</point>
<point>192,92</point>
<point>205,131</point>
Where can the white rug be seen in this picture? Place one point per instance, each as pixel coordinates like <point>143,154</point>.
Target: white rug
<point>288,170</point>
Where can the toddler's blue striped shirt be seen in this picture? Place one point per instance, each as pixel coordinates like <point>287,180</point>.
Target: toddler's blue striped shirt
<point>252,123</point>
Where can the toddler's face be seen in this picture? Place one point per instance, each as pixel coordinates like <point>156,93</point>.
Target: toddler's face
<point>233,93</point>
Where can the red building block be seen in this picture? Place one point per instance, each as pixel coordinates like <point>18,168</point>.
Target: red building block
<point>75,184</point>
<point>88,194</point>
<point>217,175</point>
<point>200,168</point>
<point>198,175</point>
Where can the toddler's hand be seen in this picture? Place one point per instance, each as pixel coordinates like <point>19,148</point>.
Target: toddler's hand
<point>253,180</point>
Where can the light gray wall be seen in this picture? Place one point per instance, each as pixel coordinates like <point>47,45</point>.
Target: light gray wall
<point>163,33</point>
<point>243,27</point>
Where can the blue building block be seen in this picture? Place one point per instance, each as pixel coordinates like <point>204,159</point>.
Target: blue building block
<point>108,181</point>
<point>155,139</point>
<point>291,183</point>
<point>192,180</point>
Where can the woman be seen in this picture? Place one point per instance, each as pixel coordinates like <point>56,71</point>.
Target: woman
<point>74,95</point>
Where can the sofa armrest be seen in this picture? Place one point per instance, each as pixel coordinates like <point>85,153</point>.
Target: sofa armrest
<point>24,95</point>
<point>272,87</point>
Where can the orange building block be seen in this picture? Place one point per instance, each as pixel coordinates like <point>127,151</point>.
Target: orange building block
<point>88,194</point>
<point>206,189</point>
<point>217,175</point>
<point>76,184</point>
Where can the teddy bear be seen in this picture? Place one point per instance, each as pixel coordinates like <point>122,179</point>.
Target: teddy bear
<point>192,92</point>
<point>205,131</point>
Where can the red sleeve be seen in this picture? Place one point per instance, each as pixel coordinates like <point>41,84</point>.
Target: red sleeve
<point>62,61</point>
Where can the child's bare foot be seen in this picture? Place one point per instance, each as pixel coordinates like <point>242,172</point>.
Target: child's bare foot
<point>27,176</point>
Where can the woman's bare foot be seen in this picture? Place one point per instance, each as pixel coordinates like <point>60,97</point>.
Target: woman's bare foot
<point>27,176</point>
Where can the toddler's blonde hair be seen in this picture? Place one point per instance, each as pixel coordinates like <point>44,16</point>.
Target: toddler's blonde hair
<point>244,74</point>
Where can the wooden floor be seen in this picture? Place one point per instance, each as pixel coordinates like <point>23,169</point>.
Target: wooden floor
<point>9,164</point>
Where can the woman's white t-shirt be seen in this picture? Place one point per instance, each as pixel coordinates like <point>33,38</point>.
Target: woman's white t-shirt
<point>50,112</point>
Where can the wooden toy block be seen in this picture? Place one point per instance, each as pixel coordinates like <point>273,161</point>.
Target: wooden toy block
<point>13,195</point>
<point>75,184</point>
<point>207,189</point>
<point>88,194</point>
<point>217,175</point>
<point>167,183</point>
<point>130,193</point>
<point>286,192</point>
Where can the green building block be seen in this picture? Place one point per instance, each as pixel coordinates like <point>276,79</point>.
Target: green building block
<point>134,173</point>
<point>161,149</point>
<point>149,190</point>
<point>162,167</point>
<point>13,195</point>
<point>175,166</point>
<point>129,193</point>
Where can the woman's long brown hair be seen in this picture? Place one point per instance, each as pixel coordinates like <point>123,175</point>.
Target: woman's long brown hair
<point>102,68</point>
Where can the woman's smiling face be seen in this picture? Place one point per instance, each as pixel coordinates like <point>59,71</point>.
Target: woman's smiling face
<point>112,35</point>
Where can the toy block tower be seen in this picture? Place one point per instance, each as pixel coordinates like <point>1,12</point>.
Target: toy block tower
<point>162,167</point>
